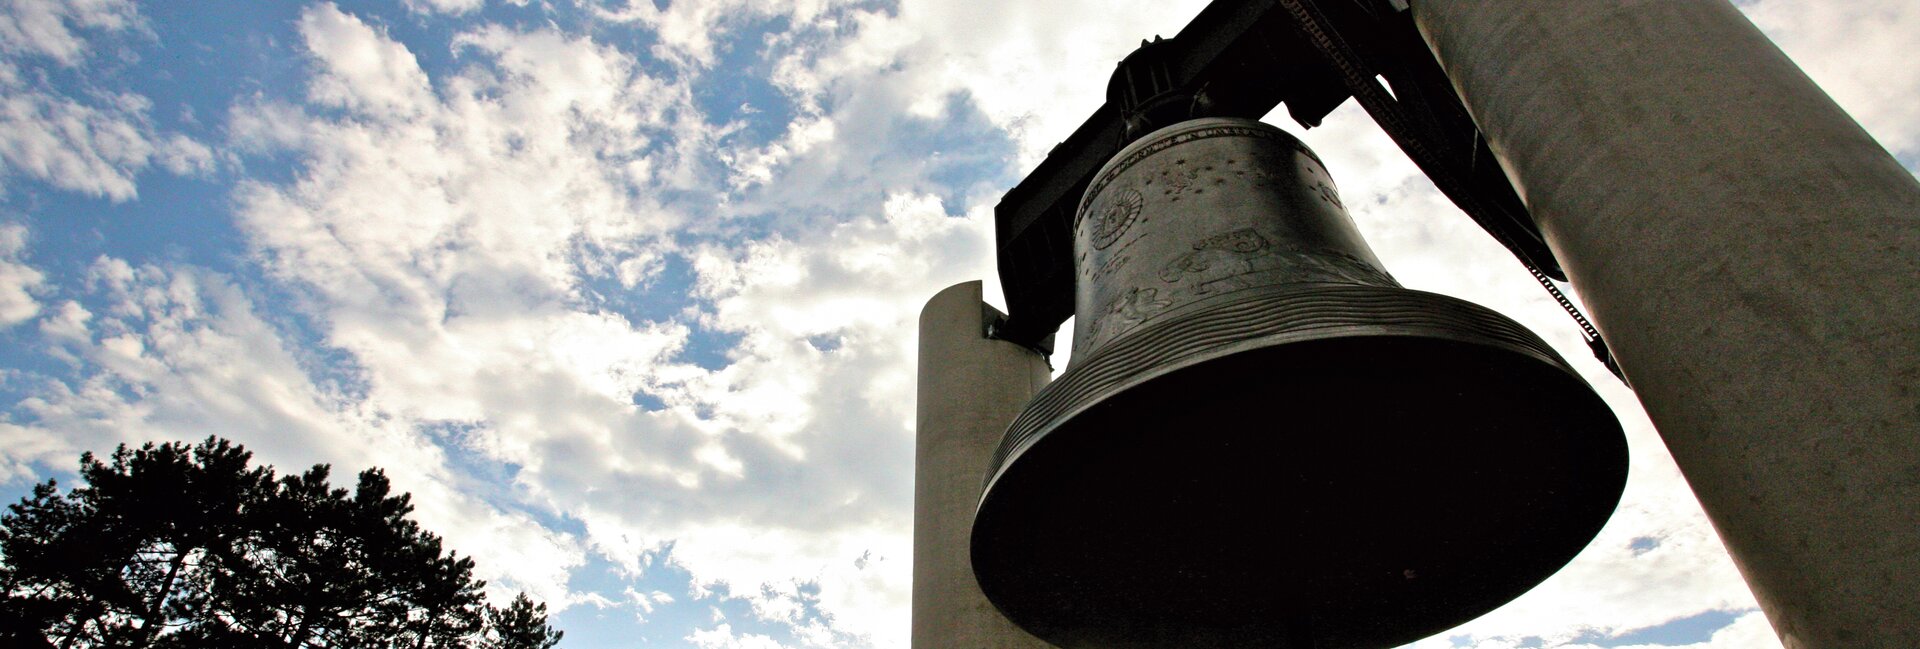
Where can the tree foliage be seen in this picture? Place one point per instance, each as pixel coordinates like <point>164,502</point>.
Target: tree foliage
<point>176,546</point>
<point>521,625</point>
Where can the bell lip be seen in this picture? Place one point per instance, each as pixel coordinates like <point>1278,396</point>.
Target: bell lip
<point>1528,343</point>
<point>1135,151</point>
<point>1602,425</point>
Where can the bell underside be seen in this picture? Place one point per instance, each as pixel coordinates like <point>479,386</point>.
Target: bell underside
<point>1263,441</point>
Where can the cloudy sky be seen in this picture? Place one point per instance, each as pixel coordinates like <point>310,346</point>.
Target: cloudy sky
<point>623,291</point>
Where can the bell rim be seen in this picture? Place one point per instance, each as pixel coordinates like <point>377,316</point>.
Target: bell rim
<point>1436,316</point>
<point>1447,321</point>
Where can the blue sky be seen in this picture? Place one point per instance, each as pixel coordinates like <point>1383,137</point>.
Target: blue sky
<point>623,292</point>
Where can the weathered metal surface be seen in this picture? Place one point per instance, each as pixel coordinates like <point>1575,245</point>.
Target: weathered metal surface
<point>1215,186</point>
<point>1242,58</point>
<point>1262,440</point>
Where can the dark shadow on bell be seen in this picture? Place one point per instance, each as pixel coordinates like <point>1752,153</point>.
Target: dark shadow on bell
<point>1279,446</point>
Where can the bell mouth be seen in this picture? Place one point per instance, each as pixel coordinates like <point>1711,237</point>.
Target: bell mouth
<point>1300,466</point>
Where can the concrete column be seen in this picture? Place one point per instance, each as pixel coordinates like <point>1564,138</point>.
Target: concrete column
<point>969,389</point>
<point>1752,256</point>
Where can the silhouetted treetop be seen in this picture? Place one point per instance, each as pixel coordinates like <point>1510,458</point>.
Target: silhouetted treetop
<point>187,546</point>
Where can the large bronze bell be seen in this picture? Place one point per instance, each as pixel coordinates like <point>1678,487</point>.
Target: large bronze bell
<point>1262,440</point>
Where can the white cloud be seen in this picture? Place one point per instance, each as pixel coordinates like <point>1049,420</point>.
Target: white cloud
<point>844,412</point>
<point>448,6</point>
<point>1747,631</point>
<point>1860,52</point>
<point>361,69</point>
<point>446,245</point>
<point>430,204</point>
<point>1034,69</point>
<point>18,281</point>
<point>643,602</point>
<point>724,637</point>
<point>449,233</point>
<point>177,354</point>
<point>687,30</point>
<point>46,27</point>
<point>96,144</point>
<point>91,149</point>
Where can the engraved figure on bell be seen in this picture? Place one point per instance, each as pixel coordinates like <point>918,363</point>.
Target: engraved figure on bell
<point>1241,240</point>
<point>1114,220</point>
<point>1202,211</point>
<point>1327,194</point>
<point>1134,306</point>
<point>1180,177</point>
<point>1218,258</point>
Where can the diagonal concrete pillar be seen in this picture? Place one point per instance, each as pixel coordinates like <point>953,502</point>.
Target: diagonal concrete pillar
<point>969,388</point>
<point>1753,258</point>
